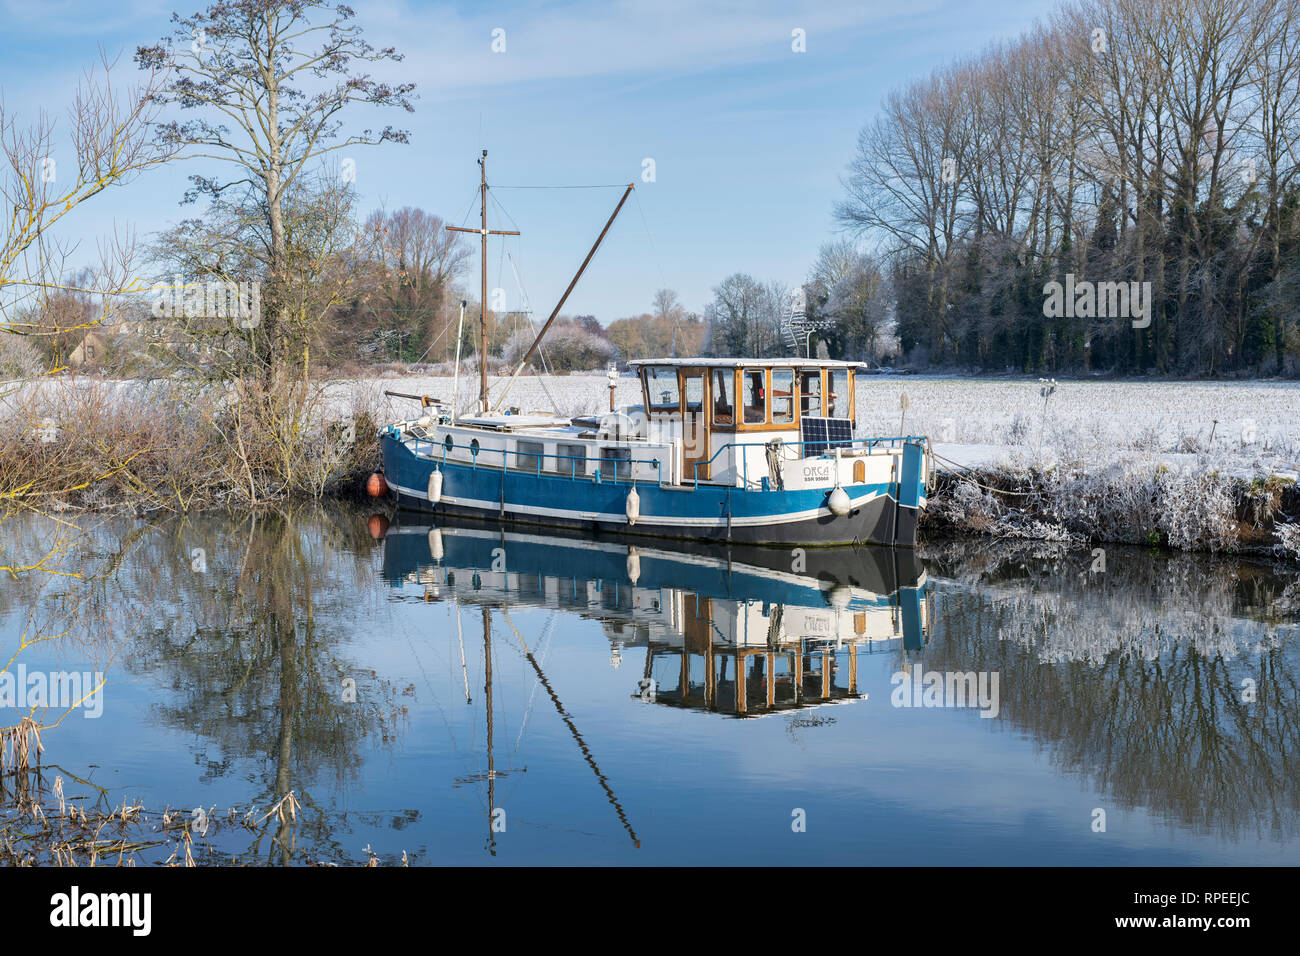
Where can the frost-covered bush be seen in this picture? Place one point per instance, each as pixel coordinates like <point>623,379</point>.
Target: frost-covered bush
<point>18,357</point>
<point>1196,510</point>
<point>566,348</point>
<point>1288,540</point>
<point>1130,500</point>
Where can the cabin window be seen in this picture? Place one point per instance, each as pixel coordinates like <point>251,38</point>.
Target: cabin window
<point>528,454</point>
<point>810,393</point>
<point>571,459</point>
<point>723,407</point>
<point>693,386</point>
<point>448,444</point>
<point>616,462</point>
<point>840,396</point>
<point>755,396</point>
<point>782,396</point>
<point>661,384</point>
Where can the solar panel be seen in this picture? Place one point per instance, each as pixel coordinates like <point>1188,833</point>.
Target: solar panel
<point>820,435</point>
<point>839,432</point>
<point>813,433</point>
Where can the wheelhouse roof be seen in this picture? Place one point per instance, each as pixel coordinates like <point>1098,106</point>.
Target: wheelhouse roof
<point>744,363</point>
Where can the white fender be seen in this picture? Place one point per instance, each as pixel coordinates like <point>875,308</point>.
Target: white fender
<point>633,506</point>
<point>435,487</point>
<point>838,502</point>
<point>838,596</point>
<point>435,544</point>
<point>633,565</point>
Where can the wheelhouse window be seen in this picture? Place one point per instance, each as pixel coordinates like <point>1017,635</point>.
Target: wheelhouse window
<point>782,396</point>
<point>724,387</point>
<point>840,397</point>
<point>662,390</point>
<point>810,393</point>
<point>754,396</point>
<point>693,383</point>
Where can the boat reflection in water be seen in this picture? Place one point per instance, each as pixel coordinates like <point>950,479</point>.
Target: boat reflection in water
<point>739,631</point>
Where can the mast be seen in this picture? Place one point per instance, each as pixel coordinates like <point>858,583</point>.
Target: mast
<point>483,232</point>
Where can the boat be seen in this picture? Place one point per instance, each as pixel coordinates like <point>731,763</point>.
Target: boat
<point>726,630</point>
<point>739,450</point>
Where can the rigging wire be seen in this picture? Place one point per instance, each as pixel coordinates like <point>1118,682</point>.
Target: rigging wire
<point>654,250</point>
<point>468,209</point>
<point>595,186</point>
<point>544,649</point>
<point>523,295</point>
<point>541,349</point>
<point>501,209</point>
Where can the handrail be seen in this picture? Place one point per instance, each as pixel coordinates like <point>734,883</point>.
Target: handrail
<point>596,473</point>
<point>830,443</point>
<point>853,444</point>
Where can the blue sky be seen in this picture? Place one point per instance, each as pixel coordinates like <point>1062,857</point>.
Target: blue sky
<point>749,138</point>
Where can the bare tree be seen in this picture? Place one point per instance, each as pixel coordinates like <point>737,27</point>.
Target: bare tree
<point>111,144</point>
<point>271,81</point>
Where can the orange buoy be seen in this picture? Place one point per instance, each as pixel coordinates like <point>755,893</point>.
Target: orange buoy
<point>377,526</point>
<point>376,485</point>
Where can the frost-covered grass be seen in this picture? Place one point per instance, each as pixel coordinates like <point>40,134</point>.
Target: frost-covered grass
<point>1258,423</point>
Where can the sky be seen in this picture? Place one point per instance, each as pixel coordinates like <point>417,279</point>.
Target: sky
<point>749,138</point>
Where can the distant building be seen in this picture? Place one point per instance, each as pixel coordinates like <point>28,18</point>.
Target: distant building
<point>92,350</point>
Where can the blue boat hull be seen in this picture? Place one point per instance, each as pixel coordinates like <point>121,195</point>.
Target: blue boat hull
<point>704,513</point>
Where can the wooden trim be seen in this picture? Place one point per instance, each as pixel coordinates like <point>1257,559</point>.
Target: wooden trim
<point>822,396</point>
<point>741,424</point>
<point>852,397</point>
<point>794,398</point>
<point>717,425</point>
<point>705,453</point>
<point>767,424</point>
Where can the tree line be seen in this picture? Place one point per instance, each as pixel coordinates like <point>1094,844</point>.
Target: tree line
<point>1121,141</point>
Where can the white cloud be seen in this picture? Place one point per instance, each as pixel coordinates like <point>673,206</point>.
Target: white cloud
<point>449,51</point>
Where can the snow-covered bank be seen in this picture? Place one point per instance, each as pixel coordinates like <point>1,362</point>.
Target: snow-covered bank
<point>1190,465</point>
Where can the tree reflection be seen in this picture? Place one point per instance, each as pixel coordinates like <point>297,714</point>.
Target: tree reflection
<point>245,622</point>
<point>1169,680</point>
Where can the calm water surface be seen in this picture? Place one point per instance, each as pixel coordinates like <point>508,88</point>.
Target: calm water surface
<point>469,696</point>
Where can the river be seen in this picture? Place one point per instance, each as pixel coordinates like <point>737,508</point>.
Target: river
<point>459,694</point>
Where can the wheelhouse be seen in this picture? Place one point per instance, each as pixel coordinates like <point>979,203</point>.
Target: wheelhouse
<point>721,402</point>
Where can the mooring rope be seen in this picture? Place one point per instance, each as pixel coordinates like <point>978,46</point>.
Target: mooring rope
<point>966,477</point>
